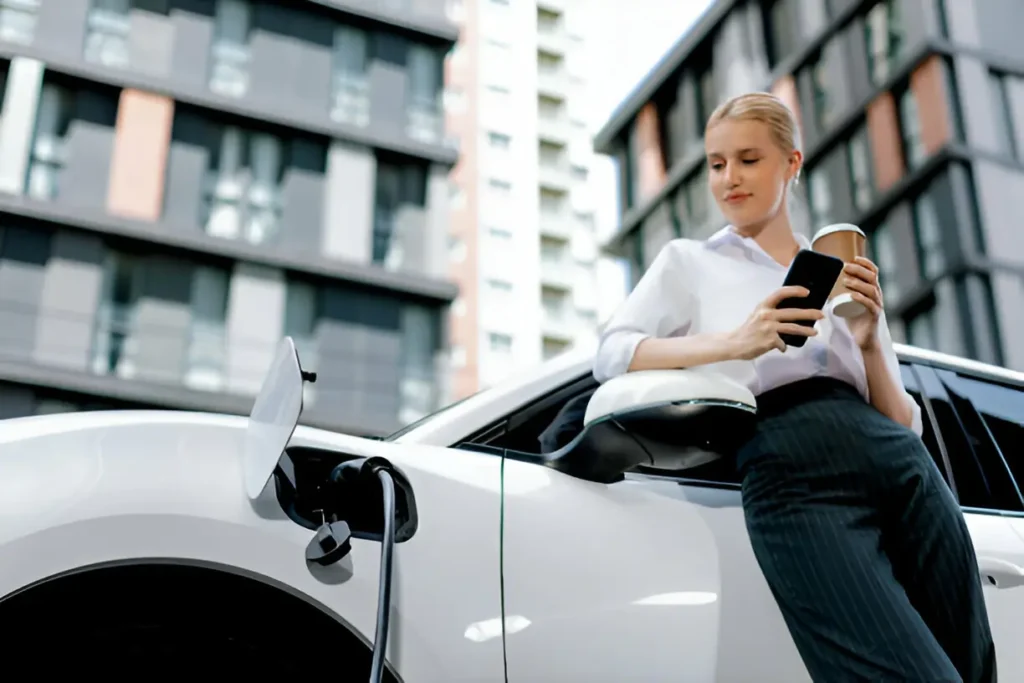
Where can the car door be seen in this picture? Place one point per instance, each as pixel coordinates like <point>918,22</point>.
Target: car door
<point>599,583</point>
<point>754,643</point>
<point>977,417</point>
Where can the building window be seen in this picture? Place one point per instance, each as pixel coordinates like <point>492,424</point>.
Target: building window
<point>910,130</point>
<point>499,343</point>
<point>207,343</point>
<point>1005,125</point>
<point>822,100</point>
<point>18,20</point>
<point>580,173</point>
<point>501,286</point>
<point>707,94</point>
<point>928,237</point>
<point>418,389</point>
<point>243,186</point>
<point>499,233</point>
<point>400,187</point>
<point>922,331</point>
<point>48,147</point>
<point>859,154</point>
<point>499,140</point>
<point>115,346</point>
<point>229,52</point>
<point>301,313</point>
<point>883,252</point>
<point>107,28</point>
<point>499,186</point>
<point>820,198</point>
<point>425,68</point>
<point>351,88</point>
<point>884,38</point>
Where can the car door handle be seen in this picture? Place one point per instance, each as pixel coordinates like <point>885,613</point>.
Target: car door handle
<point>1000,573</point>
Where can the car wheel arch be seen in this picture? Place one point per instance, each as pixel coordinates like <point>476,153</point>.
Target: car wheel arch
<point>101,593</point>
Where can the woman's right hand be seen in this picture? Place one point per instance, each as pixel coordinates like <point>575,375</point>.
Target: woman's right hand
<point>761,332</point>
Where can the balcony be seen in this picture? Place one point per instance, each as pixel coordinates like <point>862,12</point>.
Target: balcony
<point>552,40</point>
<point>555,176</point>
<point>554,128</point>
<point>556,225</point>
<point>556,271</point>
<point>553,83</point>
<point>557,324</point>
<point>557,6</point>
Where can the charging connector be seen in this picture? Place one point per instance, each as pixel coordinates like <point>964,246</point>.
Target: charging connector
<point>333,540</point>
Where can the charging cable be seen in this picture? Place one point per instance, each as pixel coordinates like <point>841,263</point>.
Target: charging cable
<point>332,542</point>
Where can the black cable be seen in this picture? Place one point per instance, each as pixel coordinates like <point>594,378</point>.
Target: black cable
<point>387,551</point>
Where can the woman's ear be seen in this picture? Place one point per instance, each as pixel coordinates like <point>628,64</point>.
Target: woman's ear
<point>796,164</point>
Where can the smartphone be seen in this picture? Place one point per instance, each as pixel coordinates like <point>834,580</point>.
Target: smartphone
<point>818,273</point>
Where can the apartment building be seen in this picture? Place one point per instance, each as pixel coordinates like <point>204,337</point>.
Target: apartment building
<point>523,248</point>
<point>912,114</point>
<point>183,182</point>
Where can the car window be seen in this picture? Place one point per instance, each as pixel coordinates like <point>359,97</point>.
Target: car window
<point>928,433</point>
<point>544,426</point>
<point>723,471</point>
<point>980,475</point>
<point>992,415</point>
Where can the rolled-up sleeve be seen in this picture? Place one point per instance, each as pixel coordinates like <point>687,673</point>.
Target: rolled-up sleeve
<point>661,305</point>
<point>893,364</point>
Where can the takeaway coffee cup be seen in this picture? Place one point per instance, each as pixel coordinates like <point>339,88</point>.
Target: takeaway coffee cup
<point>844,241</point>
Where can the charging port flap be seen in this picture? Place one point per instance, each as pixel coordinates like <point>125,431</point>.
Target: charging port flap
<point>273,417</point>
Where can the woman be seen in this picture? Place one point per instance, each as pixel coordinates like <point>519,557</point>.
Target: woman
<point>857,534</point>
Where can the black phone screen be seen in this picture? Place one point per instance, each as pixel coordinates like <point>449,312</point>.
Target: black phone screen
<point>818,273</point>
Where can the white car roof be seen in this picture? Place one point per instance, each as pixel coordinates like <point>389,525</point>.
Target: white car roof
<point>450,424</point>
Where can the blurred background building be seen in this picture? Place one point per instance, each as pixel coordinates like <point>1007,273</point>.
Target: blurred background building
<point>182,182</point>
<point>524,245</point>
<point>912,114</point>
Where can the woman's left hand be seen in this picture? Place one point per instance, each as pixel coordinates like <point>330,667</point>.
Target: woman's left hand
<point>861,278</point>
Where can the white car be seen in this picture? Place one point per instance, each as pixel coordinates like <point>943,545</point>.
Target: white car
<point>169,539</point>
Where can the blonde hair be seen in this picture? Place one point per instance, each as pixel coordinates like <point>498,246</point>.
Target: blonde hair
<point>763,107</point>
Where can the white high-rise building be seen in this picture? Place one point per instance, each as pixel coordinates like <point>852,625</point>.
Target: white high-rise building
<point>524,248</point>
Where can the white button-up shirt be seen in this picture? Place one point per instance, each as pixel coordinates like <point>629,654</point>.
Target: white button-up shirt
<point>713,286</point>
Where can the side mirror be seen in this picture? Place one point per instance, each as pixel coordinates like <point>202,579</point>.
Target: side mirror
<point>662,419</point>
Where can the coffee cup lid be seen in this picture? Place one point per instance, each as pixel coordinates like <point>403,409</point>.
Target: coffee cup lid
<point>837,227</point>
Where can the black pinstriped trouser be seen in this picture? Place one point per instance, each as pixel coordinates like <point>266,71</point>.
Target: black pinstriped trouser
<point>862,543</point>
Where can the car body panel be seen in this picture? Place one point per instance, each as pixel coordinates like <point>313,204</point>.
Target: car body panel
<point>999,548</point>
<point>102,488</point>
<point>606,583</point>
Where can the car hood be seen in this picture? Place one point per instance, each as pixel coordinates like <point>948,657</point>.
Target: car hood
<point>92,431</point>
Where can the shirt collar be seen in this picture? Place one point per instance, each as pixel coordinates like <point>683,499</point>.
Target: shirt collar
<point>751,249</point>
<point>728,235</point>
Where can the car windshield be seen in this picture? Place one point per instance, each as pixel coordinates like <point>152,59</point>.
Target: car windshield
<point>425,419</point>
